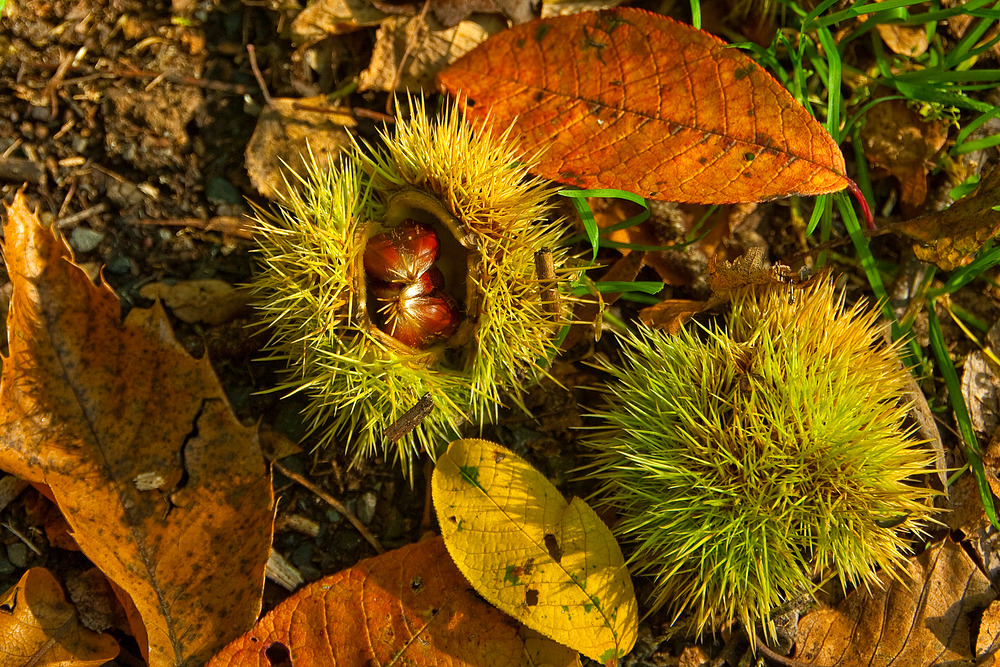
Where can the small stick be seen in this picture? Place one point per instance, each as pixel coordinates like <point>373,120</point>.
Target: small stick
<point>82,215</point>
<point>410,419</point>
<point>335,504</point>
<point>260,77</point>
<point>546,271</point>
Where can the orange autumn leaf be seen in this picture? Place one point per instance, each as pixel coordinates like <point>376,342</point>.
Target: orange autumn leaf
<point>38,627</point>
<point>165,491</point>
<point>410,606</point>
<point>628,99</point>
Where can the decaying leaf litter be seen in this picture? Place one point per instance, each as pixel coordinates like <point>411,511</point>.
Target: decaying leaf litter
<point>110,169</point>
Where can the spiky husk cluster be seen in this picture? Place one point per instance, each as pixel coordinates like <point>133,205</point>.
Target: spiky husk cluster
<point>311,286</point>
<point>746,461</point>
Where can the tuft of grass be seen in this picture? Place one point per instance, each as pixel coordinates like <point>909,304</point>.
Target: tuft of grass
<point>745,459</point>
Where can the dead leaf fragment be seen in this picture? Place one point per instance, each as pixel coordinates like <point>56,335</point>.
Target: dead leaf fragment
<point>899,139</point>
<point>209,301</point>
<point>38,627</point>
<point>410,51</point>
<point>89,403</point>
<point>552,565</point>
<point>408,606</point>
<point>952,237</point>
<point>452,12</point>
<point>632,100</point>
<point>922,620</point>
<point>290,136</point>
<point>323,18</point>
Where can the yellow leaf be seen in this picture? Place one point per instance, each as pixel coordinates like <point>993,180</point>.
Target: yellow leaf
<point>552,565</point>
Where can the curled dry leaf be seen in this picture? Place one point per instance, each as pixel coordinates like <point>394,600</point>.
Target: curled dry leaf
<point>550,564</point>
<point>409,606</point>
<point>410,51</point>
<point>323,18</point>
<point>632,100</point>
<point>952,237</point>
<point>38,627</point>
<point>209,301</point>
<point>165,491</point>
<point>923,619</point>
<point>899,139</point>
<point>274,153</point>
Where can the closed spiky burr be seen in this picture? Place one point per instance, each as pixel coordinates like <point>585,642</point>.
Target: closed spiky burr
<point>749,462</point>
<point>408,271</point>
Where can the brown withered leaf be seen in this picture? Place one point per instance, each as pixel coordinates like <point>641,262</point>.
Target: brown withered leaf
<point>410,51</point>
<point>165,491</point>
<point>747,270</point>
<point>408,606</point>
<point>925,619</point>
<point>210,301</point>
<point>897,138</point>
<point>952,237</point>
<point>38,627</point>
<point>292,134</point>
<point>452,12</point>
<point>323,18</point>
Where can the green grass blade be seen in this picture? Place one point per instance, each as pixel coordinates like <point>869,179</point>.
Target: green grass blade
<point>971,444</point>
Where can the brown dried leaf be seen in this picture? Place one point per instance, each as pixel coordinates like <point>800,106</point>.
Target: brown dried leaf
<point>428,47</point>
<point>671,314</point>
<point>925,619</point>
<point>209,301</point>
<point>906,40</point>
<point>897,138</point>
<point>409,606</point>
<point>165,491</point>
<point>952,237</point>
<point>38,627</point>
<point>552,8</point>
<point>452,12</point>
<point>291,134</point>
<point>323,18</point>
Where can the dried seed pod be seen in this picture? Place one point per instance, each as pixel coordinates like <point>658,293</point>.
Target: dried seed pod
<point>403,253</point>
<point>443,226</point>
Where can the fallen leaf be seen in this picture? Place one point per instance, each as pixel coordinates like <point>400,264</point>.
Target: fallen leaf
<point>671,314</point>
<point>290,135</point>
<point>552,8</point>
<point>408,606</point>
<point>952,237</point>
<point>923,619</point>
<point>209,301</point>
<point>38,627</point>
<point>552,565</point>
<point>628,99</point>
<point>453,12</point>
<point>89,406</point>
<point>906,40</point>
<point>323,18</point>
<point>410,51</point>
<point>899,139</point>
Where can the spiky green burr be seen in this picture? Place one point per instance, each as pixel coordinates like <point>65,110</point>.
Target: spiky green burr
<point>750,461</point>
<point>491,218</point>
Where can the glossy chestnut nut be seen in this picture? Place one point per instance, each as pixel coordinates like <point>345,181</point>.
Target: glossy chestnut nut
<point>427,282</point>
<point>422,320</point>
<point>403,253</point>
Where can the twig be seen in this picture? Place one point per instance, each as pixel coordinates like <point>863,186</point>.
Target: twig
<point>223,224</point>
<point>19,169</point>
<point>410,419</point>
<point>252,52</point>
<point>335,504</point>
<point>82,215</point>
<point>783,660</point>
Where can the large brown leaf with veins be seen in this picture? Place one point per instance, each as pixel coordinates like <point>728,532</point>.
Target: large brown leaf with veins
<point>166,492</point>
<point>627,99</point>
